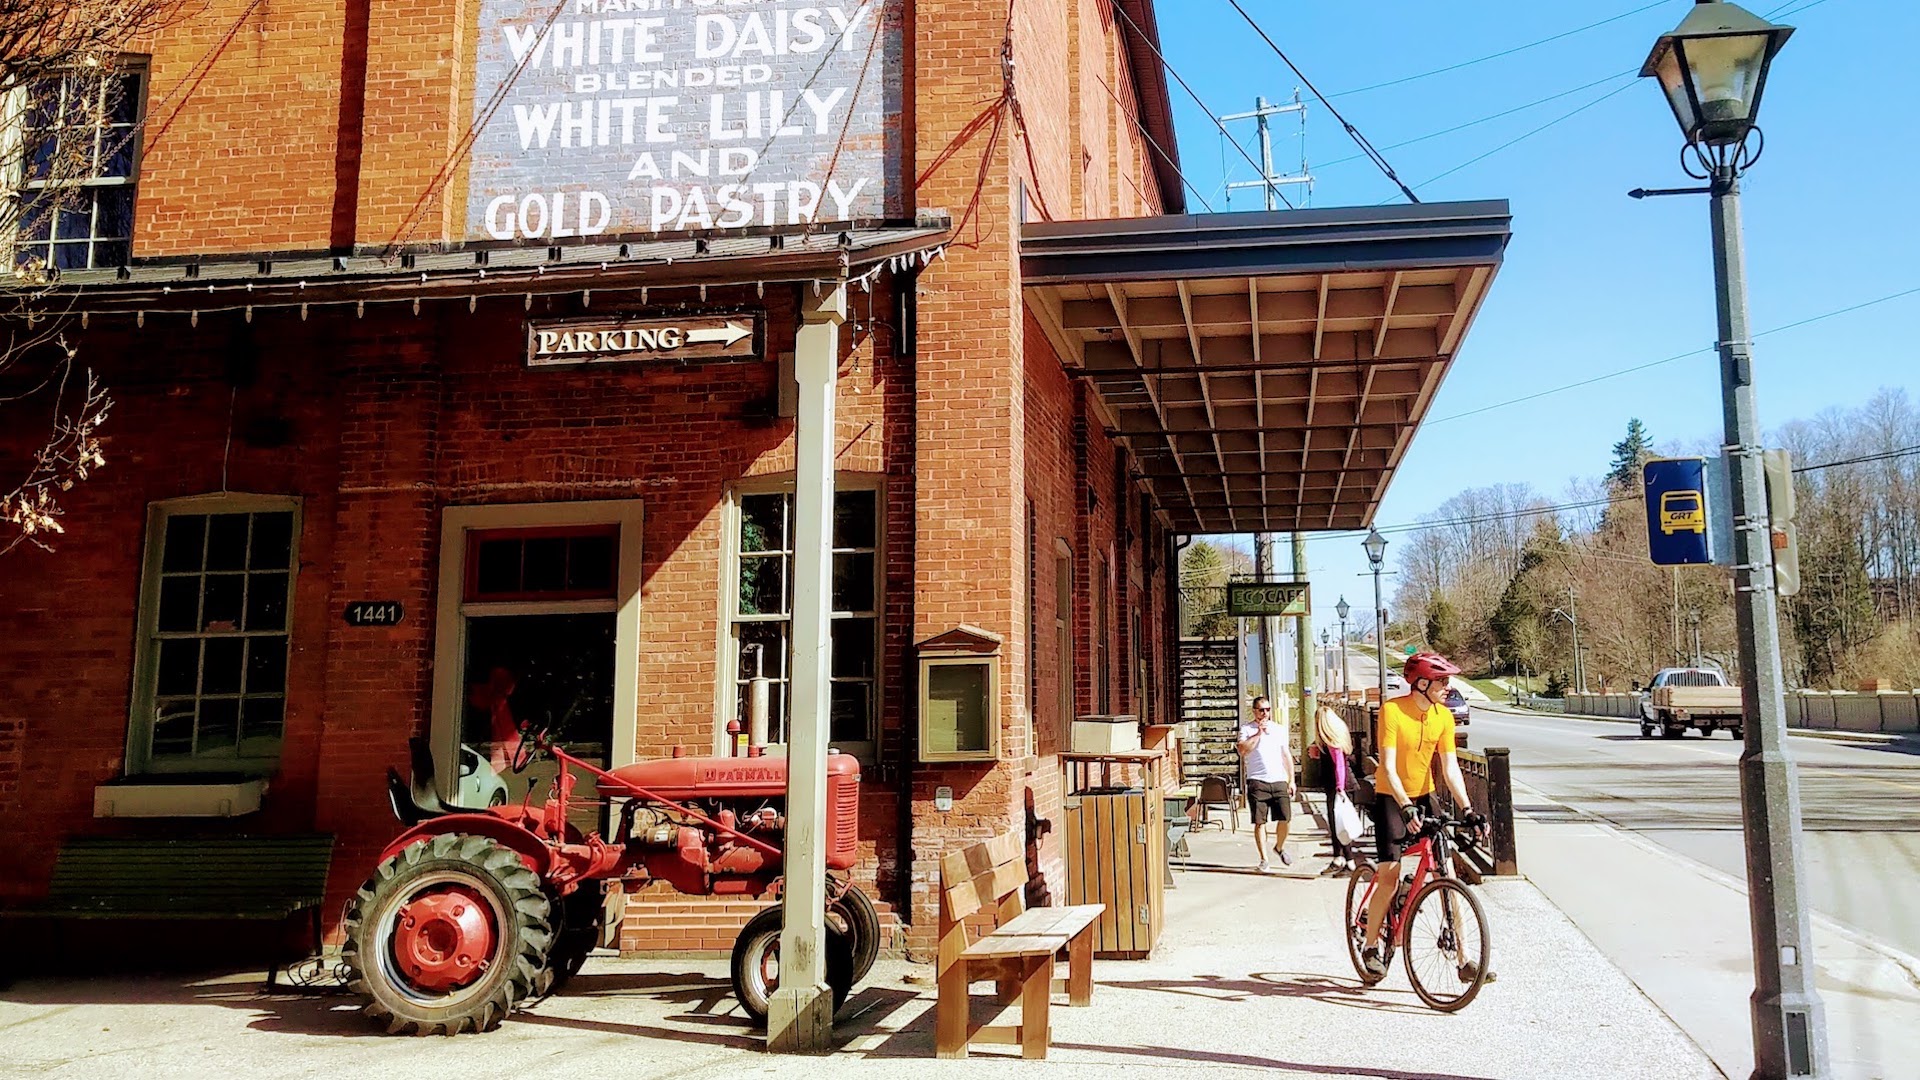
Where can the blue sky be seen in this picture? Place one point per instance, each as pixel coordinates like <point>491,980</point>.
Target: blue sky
<point>1593,281</point>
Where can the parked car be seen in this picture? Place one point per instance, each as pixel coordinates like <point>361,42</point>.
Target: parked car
<point>1680,698</point>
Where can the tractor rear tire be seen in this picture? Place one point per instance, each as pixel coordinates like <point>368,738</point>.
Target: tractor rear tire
<point>756,956</point>
<point>856,910</point>
<point>579,918</point>
<point>415,910</point>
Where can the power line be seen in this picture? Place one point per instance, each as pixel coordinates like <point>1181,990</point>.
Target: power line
<point>1487,118</point>
<point>1888,455</point>
<point>1352,132</point>
<point>1523,138</point>
<point>1677,356</point>
<point>1503,52</point>
<point>1120,10</point>
<point>1151,141</point>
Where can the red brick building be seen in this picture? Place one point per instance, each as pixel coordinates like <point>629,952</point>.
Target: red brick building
<point>343,389</point>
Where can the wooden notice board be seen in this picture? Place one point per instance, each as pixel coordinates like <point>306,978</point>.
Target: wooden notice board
<point>1116,851</point>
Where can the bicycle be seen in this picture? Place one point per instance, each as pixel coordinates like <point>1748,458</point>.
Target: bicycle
<point>1432,908</point>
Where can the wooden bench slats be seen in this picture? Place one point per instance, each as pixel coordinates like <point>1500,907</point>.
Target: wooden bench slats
<point>987,888</point>
<point>997,945</point>
<point>1060,921</point>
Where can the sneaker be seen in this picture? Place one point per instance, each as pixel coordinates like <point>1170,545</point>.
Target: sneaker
<point>1469,970</point>
<point>1376,967</point>
<point>1285,859</point>
<point>1263,867</point>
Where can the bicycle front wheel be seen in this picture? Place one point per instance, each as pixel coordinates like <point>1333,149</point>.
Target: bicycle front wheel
<point>1356,920</point>
<point>1446,947</point>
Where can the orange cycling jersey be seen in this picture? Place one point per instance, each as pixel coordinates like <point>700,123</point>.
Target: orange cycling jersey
<point>1415,738</point>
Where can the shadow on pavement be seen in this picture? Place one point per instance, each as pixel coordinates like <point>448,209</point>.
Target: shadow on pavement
<point>1348,992</point>
<point>1252,1061</point>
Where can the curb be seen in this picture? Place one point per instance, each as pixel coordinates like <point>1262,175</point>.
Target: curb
<point>1864,738</point>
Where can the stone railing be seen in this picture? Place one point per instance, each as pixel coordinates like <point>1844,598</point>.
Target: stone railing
<point>1888,711</point>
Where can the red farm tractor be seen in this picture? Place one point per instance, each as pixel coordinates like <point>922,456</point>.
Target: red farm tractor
<point>471,913</point>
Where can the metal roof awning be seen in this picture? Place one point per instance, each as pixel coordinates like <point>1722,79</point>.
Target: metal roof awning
<point>1267,370</point>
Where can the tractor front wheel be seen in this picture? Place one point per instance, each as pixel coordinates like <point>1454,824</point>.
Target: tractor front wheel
<point>756,964</point>
<point>580,918</point>
<point>447,936</point>
<point>854,915</point>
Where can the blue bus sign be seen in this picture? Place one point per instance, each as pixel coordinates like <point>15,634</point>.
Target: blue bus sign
<point>1678,533</point>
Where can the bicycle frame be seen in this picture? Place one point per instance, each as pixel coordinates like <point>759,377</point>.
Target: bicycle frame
<point>1435,859</point>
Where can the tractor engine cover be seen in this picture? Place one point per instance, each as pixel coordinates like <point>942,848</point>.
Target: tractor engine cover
<point>696,779</point>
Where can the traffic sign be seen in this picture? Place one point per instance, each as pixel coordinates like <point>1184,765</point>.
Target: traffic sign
<point>1677,511</point>
<point>1267,598</point>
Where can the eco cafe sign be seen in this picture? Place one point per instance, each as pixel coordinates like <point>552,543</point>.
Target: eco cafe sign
<point>638,116</point>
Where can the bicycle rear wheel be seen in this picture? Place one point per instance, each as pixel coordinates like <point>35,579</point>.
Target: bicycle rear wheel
<point>1446,945</point>
<point>1355,925</point>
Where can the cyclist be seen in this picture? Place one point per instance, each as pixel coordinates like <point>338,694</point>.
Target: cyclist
<point>1412,730</point>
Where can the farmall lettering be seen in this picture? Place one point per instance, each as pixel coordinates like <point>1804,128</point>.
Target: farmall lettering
<point>692,338</point>
<point>637,116</point>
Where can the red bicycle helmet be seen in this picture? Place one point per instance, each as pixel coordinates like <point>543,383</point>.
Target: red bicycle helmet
<point>1429,665</point>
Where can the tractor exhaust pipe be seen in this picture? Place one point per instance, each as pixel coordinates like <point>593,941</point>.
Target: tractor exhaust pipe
<point>759,695</point>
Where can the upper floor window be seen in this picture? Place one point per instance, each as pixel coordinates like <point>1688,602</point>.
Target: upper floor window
<point>77,162</point>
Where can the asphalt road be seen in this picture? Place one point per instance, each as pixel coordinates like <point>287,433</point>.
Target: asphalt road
<point>1860,807</point>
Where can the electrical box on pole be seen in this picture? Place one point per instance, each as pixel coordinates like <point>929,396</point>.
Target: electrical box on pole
<point>1780,510</point>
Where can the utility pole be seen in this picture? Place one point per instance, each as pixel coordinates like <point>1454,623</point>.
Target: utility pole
<point>1263,625</point>
<point>1303,642</point>
<point>1579,662</point>
<point>1269,180</point>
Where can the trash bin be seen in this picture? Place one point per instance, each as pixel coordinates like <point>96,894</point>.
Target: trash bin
<point>1116,855</point>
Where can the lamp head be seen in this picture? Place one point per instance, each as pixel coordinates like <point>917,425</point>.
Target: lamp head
<point>1376,546</point>
<point>1342,608</point>
<point>1713,67</point>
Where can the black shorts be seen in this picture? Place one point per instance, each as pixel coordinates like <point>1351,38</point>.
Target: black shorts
<point>1390,825</point>
<point>1269,798</point>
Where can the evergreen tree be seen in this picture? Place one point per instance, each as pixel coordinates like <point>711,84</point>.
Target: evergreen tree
<point>1628,455</point>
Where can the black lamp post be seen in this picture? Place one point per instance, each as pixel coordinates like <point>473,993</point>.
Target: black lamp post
<point>1713,68</point>
<point>1376,548</point>
<point>1341,609</point>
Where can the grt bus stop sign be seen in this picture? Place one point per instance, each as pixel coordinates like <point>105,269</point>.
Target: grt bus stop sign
<point>1676,496</point>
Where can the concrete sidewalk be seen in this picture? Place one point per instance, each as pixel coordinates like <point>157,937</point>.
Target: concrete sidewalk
<point>1250,978</point>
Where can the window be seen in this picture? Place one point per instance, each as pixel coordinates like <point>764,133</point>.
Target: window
<point>761,619</point>
<point>217,599</point>
<point>79,150</point>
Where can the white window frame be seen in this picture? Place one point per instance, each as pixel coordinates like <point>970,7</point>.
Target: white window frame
<point>23,188</point>
<point>451,610</point>
<point>146,653</point>
<point>729,645</point>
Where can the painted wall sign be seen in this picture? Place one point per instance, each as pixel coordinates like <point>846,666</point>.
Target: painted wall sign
<point>1267,598</point>
<point>680,337</point>
<point>646,116</point>
<point>375,613</point>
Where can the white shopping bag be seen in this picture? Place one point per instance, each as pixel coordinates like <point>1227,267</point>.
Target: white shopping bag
<point>1346,820</point>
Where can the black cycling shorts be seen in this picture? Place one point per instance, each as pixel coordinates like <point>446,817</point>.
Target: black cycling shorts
<point>1269,798</point>
<point>1390,825</point>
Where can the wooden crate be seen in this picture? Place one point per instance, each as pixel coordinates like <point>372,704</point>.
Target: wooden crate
<point>1116,855</point>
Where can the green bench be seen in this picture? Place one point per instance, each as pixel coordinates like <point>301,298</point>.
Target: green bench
<point>264,878</point>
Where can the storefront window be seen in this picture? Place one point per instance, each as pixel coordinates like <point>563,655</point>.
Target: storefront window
<point>210,695</point>
<point>763,612</point>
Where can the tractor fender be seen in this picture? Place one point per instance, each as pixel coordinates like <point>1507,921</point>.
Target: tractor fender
<point>494,827</point>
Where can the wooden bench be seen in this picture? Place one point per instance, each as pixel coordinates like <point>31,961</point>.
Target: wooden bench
<point>1017,954</point>
<point>234,877</point>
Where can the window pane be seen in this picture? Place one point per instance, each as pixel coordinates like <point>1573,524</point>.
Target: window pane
<point>173,728</point>
<point>762,585</point>
<point>115,152</point>
<point>112,253</point>
<point>853,518</point>
<point>36,219</point>
<point>70,256</point>
<point>261,720</point>
<point>762,523</point>
<point>179,667</point>
<point>499,570</point>
<point>40,156</point>
<point>116,213</point>
<point>227,542</point>
<point>266,665</point>
<point>590,564</point>
<point>220,667</point>
<point>772,638</point>
<point>266,602</point>
<point>851,712</point>
<point>957,708</point>
<point>185,534</point>
<point>43,103</point>
<point>853,648</point>
<point>73,223</point>
<point>545,567</point>
<point>219,729</point>
<point>123,98</point>
<point>272,541</point>
<point>221,609</point>
<point>179,605</point>
<point>853,582</point>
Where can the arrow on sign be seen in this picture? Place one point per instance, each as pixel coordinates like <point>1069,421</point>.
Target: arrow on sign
<point>724,335</point>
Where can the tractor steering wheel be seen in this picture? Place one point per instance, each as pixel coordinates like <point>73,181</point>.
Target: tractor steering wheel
<point>528,748</point>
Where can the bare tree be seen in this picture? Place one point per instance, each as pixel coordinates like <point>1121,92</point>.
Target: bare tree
<point>70,105</point>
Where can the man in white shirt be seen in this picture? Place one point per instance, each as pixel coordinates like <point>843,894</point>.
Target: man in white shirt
<point>1269,763</point>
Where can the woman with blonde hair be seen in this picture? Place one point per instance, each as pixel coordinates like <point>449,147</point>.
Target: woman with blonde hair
<point>1332,738</point>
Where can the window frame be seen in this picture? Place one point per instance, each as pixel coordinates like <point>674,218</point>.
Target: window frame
<point>452,608</point>
<point>139,758</point>
<point>23,186</point>
<point>728,647</point>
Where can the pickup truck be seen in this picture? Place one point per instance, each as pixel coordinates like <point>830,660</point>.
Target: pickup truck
<point>1680,698</point>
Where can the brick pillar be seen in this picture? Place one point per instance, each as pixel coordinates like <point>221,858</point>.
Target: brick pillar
<point>418,92</point>
<point>386,524</point>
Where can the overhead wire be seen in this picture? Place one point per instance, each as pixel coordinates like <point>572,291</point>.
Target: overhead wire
<point>1562,118</point>
<point>1121,11</point>
<point>1485,119</point>
<point>1353,133</point>
<point>1504,52</point>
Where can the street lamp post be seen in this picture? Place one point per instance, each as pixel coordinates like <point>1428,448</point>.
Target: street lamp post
<point>1713,68</point>
<point>1341,609</point>
<point>1376,548</point>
